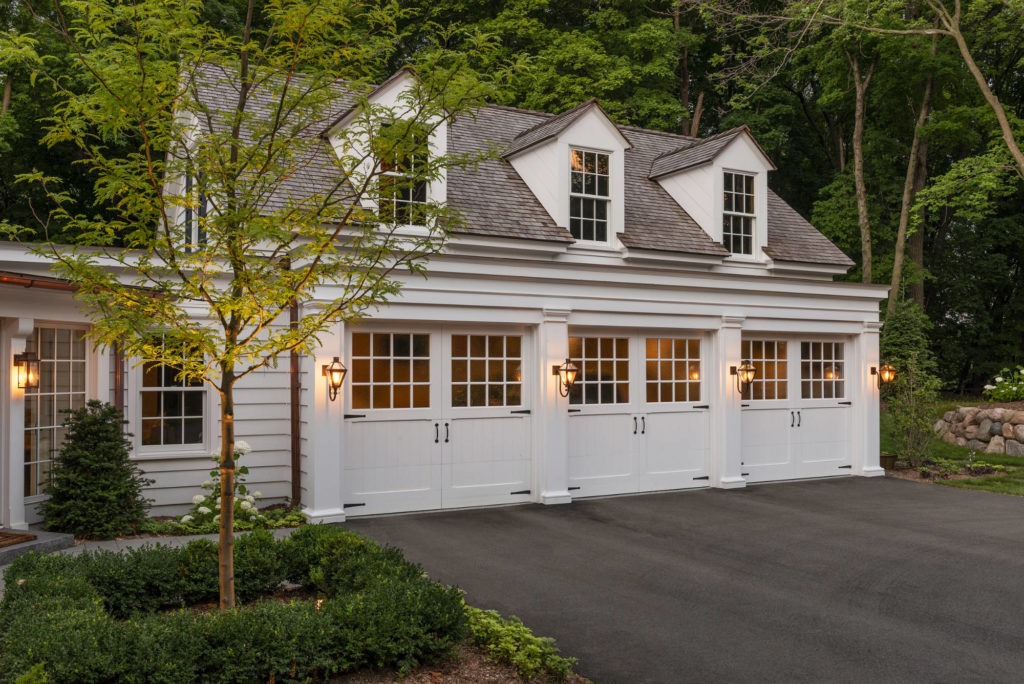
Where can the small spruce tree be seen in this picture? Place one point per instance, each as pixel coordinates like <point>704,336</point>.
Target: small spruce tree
<point>95,490</point>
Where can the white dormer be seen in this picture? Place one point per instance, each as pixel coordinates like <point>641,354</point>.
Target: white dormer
<point>351,137</point>
<point>722,182</point>
<point>574,164</point>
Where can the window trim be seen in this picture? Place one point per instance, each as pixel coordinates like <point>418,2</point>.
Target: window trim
<point>608,220</point>
<point>752,216</point>
<point>423,186</point>
<point>133,410</point>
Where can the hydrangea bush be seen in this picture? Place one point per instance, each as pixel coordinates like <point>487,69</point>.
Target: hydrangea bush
<point>206,507</point>
<point>1009,386</point>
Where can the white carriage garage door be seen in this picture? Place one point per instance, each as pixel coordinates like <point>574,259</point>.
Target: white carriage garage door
<point>796,417</point>
<point>436,418</point>
<point>637,422</point>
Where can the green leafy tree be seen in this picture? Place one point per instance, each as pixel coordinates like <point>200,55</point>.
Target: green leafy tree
<point>231,207</point>
<point>95,490</point>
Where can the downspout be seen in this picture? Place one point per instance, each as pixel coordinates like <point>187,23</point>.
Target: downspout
<point>296,422</point>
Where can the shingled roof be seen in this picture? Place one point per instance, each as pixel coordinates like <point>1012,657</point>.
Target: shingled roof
<point>697,151</point>
<point>493,199</point>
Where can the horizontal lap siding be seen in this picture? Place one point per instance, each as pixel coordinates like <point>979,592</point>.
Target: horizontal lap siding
<point>262,418</point>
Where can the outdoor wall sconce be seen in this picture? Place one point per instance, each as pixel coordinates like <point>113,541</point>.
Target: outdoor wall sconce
<point>566,376</point>
<point>27,369</point>
<point>335,374</point>
<point>744,373</point>
<point>884,375</point>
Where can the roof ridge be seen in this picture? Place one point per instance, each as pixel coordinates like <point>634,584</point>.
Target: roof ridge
<point>696,142</point>
<point>556,117</point>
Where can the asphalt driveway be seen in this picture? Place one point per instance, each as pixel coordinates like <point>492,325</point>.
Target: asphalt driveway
<point>848,580</point>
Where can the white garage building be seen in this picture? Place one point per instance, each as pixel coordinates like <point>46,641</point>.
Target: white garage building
<point>653,262</point>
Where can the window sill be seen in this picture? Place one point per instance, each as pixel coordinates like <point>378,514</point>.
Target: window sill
<point>167,453</point>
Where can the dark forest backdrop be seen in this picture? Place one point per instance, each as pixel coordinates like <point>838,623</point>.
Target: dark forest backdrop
<point>881,116</point>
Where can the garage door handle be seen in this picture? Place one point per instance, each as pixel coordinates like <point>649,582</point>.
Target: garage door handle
<point>643,425</point>
<point>437,433</point>
<point>634,425</point>
<point>792,419</point>
<point>446,433</point>
<point>799,419</point>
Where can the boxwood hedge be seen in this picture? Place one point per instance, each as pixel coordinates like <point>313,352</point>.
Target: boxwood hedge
<point>105,617</point>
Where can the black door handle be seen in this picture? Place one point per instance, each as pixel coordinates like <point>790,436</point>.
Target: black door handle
<point>799,419</point>
<point>437,434</point>
<point>446,433</point>
<point>634,425</point>
<point>643,425</point>
<point>792,419</point>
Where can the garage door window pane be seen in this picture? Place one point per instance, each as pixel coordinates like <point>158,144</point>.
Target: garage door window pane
<point>769,358</point>
<point>822,370</point>
<point>673,369</point>
<point>494,364</point>
<point>387,373</point>
<point>604,364</point>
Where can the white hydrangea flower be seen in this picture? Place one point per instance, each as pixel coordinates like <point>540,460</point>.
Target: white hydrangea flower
<point>999,379</point>
<point>186,518</point>
<point>198,499</point>
<point>990,387</point>
<point>218,503</point>
<point>204,510</point>
<point>245,505</point>
<point>250,498</point>
<point>242,447</point>
<point>216,518</point>
<point>207,484</point>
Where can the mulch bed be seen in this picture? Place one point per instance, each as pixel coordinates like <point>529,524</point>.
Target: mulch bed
<point>9,538</point>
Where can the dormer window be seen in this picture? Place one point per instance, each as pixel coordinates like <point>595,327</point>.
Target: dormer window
<point>402,188</point>
<point>588,195</point>
<point>738,213</point>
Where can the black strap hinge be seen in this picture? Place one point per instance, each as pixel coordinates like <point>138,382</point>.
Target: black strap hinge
<point>573,488</point>
<point>846,403</point>
<point>355,415</point>
<point>744,474</point>
<point>702,406</point>
<point>703,477</point>
<point>524,412</point>
<point>845,466</point>
<point>355,505</point>
<point>574,410</point>
<point>521,491</point>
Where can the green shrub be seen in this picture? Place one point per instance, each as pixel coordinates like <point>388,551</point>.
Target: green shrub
<point>258,567</point>
<point>198,571</point>
<point>95,491</point>
<point>306,545</point>
<point>510,641</point>
<point>96,617</point>
<point>270,518</point>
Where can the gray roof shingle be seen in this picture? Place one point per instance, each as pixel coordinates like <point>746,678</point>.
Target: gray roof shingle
<point>493,199</point>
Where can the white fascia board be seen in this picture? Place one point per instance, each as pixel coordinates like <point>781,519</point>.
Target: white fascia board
<point>807,270</point>
<point>488,246</point>
<point>655,257</point>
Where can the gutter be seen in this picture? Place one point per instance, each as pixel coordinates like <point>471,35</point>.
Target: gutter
<point>29,281</point>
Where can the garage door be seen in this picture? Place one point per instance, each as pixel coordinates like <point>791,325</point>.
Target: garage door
<point>437,419</point>
<point>796,418</point>
<point>636,419</point>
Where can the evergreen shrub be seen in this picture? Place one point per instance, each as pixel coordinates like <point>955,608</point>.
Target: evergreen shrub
<point>117,617</point>
<point>95,491</point>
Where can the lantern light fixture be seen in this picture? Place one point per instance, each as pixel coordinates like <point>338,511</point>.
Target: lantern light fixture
<point>884,375</point>
<point>566,376</point>
<point>335,373</point>
<point>744,373</point>
<point>26,367</point>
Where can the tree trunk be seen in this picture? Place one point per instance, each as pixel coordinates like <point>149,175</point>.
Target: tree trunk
<point>697,111</point>
<point>684,72</point>
<point>910,188</point>
<point>5,103</point>
<point>861,89</point>
<point>226,546</point>
<point>915,246</point>
<point>951,22</point>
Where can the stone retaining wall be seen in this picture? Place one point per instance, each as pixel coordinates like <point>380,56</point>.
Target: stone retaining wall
<point>993,430</point>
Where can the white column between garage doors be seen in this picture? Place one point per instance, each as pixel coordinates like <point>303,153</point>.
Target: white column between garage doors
<point>637,419</point>
<point>436,418</point>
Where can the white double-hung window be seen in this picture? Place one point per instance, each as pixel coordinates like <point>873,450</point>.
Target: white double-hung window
<point>589,195</point>
<point>738,213</point>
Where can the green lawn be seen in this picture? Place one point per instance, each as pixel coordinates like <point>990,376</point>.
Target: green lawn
<point>1010,483</point>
